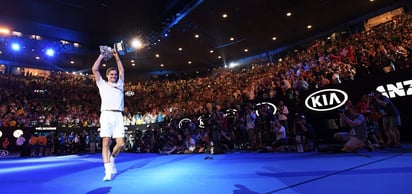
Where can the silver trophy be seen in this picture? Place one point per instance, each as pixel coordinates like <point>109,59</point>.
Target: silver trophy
<point>107,51</point>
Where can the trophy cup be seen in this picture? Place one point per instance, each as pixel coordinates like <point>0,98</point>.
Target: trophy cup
<point>107,51</point>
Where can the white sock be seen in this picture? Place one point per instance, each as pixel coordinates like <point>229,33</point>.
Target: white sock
<point>107,168</point>
<point>112,159</point>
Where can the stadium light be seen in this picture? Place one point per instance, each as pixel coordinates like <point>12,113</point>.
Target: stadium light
<point>15,46</point>
<point>50,52</point>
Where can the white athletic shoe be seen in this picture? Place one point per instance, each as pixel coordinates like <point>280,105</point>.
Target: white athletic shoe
<point>107,172</point>
<point>107,177</point>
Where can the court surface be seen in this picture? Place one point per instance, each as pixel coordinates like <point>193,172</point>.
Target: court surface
<point>382,171</point>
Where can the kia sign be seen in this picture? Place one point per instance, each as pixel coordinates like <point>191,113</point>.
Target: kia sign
<point>129,93</point>
<point>182,121</point>
<point>326,100</point>
<point>265,104</point>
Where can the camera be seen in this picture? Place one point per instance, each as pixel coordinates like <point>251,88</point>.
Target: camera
<point>342,111</point>
<point>299,117</point>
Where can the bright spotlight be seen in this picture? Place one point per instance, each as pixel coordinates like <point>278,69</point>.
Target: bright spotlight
<point>233,64</point>
<point>4,31</point>
<point>15,46</point>
<point>50,52</point>
<point>137,44</point>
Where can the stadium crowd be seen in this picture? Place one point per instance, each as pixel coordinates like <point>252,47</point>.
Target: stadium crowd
<point>224,100</point>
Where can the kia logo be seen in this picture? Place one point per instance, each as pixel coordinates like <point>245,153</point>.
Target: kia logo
<point>326,100</point>
<point>268,104</point>
<point>129,93</point>
<point>184,120</point>
<point>4,153</point>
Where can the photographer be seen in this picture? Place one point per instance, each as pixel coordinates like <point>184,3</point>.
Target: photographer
<point>357,135</point>
<point>305,134</point>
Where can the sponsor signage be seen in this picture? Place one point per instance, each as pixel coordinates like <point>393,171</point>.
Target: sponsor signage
<point>401,89</point>
<point>182,121</point>
<point>129,93</point>
<point>326,100</point>
<point>273,109</point>
<point>46,128</point>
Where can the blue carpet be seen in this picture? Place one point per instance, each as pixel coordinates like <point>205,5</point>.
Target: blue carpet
<point>382,171</point>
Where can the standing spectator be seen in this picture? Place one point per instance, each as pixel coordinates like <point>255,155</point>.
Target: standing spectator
<point>112,106</point>
<point>42,139</point>
<point>70,142</point>
<point>250,127</point>
<point>21,143</point>
<point>83,143</point>
<point>49,145</point>
<point>77,144</point>
<point>391,118</point>
<point>241,134</point>
<point>92,142</point>
<point>282,114</point>
<point>301,84</point>
<point>372,119</point>
<point>62,142</point>
<point>34,145</point>
<point>5,143</point>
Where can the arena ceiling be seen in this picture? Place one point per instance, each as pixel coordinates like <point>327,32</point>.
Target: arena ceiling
<point>179,35</point>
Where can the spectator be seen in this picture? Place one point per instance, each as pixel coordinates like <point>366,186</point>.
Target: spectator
<point>305,132</point>
<point>190,144</point>
<point>21,143</point>
<point>34,145</point>
<point>280,134</point>
<point>5,143</point>
<point>391,119</point>
<point>282,114</point>
<point>42,140</point>
<point>356,137</point>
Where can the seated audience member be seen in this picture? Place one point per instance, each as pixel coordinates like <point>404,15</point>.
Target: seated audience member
<point>225,140</point>
<point>190,144</point>
<point>280,133</point>
<point>171,145</point>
